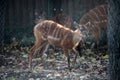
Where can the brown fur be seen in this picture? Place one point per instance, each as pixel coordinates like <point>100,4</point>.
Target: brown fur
<point>95,20</point>
<point>50,32</point>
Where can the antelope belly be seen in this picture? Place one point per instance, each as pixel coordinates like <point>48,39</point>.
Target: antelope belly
<point>54,41</point>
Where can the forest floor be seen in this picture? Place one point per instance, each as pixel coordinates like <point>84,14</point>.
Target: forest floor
<point>14,65</point>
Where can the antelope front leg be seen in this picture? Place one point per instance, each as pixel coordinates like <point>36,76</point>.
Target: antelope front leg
<point>76,54</point>
<point>68,58</point>
<point>97,37</point>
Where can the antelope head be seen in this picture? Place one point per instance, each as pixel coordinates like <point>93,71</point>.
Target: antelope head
<point>82,29</point>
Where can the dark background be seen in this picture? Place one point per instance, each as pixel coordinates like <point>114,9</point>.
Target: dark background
<point>20,15</point>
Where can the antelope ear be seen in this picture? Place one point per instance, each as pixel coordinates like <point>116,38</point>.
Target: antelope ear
<point>85,27</point>
<point>87,24</point>
<point>76,25</point>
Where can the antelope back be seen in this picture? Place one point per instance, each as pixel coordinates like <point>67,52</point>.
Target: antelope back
<point>63,19</point>
<point>55,33</point>
<point>96,18</point>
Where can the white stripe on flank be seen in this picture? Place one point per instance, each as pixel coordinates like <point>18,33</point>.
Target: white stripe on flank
<point>53,38</point>
<point>54,32</point>
<point>57,33</point>
<point>42,36</point>
<point>65,36</point>
<point>99,12</point>
<point>104,10</point>
<point>91,17</point>
<point>49,27</point>
<point>96,15</point>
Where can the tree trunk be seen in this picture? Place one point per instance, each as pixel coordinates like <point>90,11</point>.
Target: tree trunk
<point>114,39</point>
<point>3,7</point>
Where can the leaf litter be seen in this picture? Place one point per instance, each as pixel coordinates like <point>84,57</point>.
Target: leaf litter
<point>14,65</point>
